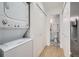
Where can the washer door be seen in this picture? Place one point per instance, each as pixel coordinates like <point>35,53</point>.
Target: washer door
<point>16,10</point>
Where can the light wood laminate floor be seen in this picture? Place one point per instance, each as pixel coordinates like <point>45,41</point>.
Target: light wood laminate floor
<point>52,51</point>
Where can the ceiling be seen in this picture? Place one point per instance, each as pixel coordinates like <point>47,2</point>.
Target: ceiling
<point>53,8</point>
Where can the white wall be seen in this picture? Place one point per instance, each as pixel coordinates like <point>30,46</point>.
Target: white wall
<point>48,29</point>
<point>74,9</point>
<point>38,29</point>
<point>65,30</point>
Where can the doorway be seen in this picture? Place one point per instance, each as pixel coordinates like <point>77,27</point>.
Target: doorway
<point>54,30</point>
<point>74,29</point>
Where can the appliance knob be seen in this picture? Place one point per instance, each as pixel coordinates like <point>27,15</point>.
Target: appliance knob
<point>4,22</point>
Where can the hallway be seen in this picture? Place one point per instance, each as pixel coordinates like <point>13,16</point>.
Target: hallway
<point>35,29</point>
<point>52,51</point>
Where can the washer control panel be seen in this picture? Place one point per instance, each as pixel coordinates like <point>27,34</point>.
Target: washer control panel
<point>10,23</point>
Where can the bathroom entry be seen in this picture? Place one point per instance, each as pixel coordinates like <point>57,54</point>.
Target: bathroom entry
<point>54,30</point>
<point>74,37</point>
<point>74,29</point>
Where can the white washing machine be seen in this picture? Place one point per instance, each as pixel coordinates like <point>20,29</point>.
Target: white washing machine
<point>13,21</point>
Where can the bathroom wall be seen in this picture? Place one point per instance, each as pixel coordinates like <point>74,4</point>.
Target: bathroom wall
<point>74,14</point>
<point>65,30</point>
<point>38,29</point>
